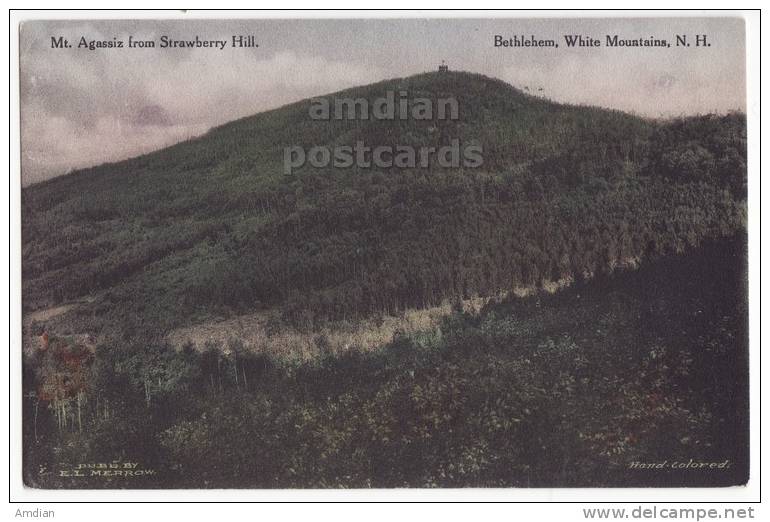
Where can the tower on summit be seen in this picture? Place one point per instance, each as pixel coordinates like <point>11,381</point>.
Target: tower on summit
<point>443,67</point>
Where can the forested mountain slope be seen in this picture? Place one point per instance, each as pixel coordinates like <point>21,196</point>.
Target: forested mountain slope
<point>213,226</point>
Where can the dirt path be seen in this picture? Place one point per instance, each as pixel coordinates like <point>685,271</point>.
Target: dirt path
<point>48,313</point>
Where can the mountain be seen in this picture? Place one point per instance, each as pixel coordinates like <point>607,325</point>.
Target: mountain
<point>368,273</point>
<point>213,227</point>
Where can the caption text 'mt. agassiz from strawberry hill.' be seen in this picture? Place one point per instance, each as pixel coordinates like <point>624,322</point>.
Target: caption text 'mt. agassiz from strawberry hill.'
<point>164,42</point>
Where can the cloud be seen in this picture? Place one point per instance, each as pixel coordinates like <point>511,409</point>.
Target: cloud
<point>81,107</point>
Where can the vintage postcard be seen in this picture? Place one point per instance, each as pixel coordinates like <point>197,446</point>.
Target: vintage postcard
<point>378,252</point>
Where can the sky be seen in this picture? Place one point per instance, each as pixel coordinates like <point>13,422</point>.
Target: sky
<point>81,108</point>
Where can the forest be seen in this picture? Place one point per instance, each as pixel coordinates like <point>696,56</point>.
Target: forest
<point>641,221</point>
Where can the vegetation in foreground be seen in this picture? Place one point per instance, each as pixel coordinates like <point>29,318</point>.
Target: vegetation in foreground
<point>563,390</point>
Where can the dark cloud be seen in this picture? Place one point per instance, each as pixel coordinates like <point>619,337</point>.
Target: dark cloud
<point>151,115</point>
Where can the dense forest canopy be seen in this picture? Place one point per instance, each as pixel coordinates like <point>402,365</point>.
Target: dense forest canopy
<point>211,226</point>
